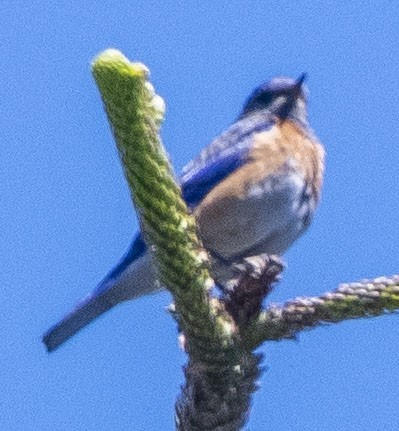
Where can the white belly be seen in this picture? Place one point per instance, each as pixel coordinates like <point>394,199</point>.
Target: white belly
<point>268,220</point>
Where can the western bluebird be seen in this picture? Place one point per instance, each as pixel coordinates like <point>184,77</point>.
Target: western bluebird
<point>253,190</point>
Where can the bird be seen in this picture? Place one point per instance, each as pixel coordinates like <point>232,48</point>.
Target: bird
<point>254,189</point>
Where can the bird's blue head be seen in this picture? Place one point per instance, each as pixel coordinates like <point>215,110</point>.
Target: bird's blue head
<point>282,97</point>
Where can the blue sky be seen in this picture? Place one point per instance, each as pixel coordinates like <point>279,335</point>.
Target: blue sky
<point>66,215</point>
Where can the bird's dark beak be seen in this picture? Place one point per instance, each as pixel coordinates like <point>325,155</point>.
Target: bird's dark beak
<point>298,84</point>
<point>293,94</point>
<point>301,79</point>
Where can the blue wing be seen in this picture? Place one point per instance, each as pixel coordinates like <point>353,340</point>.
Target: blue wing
<point>195,188</point>
<point>136,250</point>
<point>222,157</point>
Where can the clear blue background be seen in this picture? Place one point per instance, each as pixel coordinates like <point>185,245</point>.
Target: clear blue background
<point>66,217</point>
